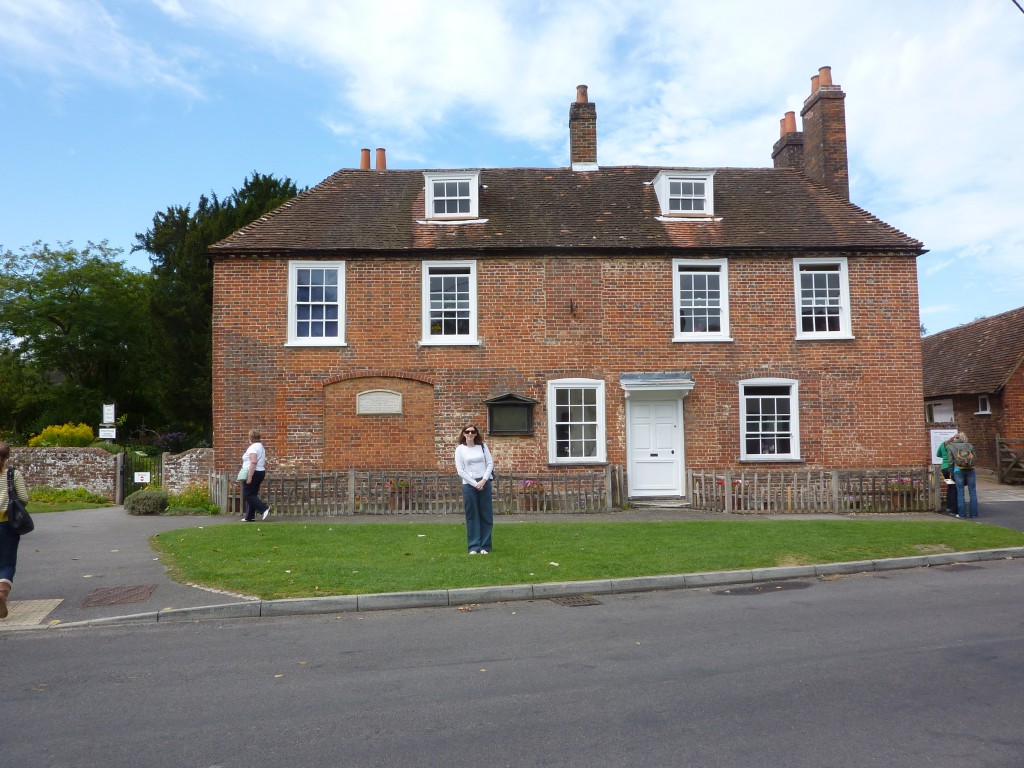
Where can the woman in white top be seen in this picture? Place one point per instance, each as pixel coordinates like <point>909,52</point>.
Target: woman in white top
<point>254,458</point>
<point>475,466</point>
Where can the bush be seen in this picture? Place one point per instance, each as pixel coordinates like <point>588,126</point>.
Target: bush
<point>44,494</point>
<point>107,446</point>
<point>194,500</point>
<point>146,502</point>
<point>65,436</point>
<point>171,442</point>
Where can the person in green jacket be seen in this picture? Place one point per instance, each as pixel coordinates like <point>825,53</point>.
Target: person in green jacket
<point>947,474</point>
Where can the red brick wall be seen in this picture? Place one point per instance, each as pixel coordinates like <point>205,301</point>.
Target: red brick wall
<point>860,399</point>
<point>1013,405</point>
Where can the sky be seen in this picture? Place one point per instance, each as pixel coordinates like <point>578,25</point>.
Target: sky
<point>114,110</point>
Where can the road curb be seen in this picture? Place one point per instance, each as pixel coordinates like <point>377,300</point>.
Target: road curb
<point>440,598</point>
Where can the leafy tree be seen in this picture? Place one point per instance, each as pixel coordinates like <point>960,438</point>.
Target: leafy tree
<point>181,295</point>
<point>74,332</point>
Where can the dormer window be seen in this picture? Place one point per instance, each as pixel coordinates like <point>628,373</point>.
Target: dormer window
<point>686,194</point>
<point>452,195</point>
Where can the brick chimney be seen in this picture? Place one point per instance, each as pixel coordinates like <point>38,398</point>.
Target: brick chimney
<point>788,151</point>
<point>382,162</point>
<point>582,132</point>
<point>364,159</point>
<point>824,135</point>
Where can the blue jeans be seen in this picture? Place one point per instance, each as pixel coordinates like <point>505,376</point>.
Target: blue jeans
<point>9,541</point>
<point>966,476</point>
<point>479,516</point>
<point>251,496</point>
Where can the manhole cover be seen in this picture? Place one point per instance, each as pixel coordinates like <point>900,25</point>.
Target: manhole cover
<point>574,600</point>
<point>118,595</point>
<point>761,589</point>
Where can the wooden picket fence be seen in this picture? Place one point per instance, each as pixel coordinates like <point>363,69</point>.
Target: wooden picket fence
<point>915,489</point>
<point>330,494</point>
<point>1010,459</point>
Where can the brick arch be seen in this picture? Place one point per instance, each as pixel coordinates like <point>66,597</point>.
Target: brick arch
<point>379,374</point>
<point>375,441</point>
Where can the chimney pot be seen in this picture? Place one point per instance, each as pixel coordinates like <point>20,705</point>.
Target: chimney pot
<point>815,84</point>
<point>382,163</point>
<point>789,123</point>
<point>581,94</point>
<point>825,75</point>
<point>364,159</point>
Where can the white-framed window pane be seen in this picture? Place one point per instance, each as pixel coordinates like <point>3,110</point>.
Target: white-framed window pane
<point>316,303</point>
<point>576,429</point>
<point>700,300</point>
<point>449,303</point>
<point>701,296</point>
<point>769,424</point>
<point>823,298</point>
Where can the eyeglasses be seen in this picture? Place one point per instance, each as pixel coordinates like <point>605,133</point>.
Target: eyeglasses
<point>469,432</point>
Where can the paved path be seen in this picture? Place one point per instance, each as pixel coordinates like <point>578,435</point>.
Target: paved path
<point>97,564</point>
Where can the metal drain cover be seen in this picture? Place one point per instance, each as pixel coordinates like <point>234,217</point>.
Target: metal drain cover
<point>574,600</point>
<point>118,595</point>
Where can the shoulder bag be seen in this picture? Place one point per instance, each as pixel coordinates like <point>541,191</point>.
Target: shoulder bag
<point>17,515</point>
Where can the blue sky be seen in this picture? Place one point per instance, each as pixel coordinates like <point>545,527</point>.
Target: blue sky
<point>114,110</point>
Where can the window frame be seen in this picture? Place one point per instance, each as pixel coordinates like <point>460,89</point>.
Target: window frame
<point>931,406</point>
<point>294,340</point>
<point>662,185</point>
<point>984,406</point>
<point>721,266</point>
<point>794,418</point>
<point>601,448</point>
<point>432,177</point>
<point>427,337</point>
<point>845,322</point>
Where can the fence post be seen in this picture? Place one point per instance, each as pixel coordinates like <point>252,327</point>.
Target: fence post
<point>835,490</point>
<point>727,490</point>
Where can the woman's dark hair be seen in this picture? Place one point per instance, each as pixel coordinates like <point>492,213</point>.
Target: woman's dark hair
<point>479,435</point>
<point>5,454</point>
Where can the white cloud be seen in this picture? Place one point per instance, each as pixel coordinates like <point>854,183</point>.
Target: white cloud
<point>76,40</point>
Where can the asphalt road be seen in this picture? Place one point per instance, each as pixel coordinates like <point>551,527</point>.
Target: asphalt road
<point>902,669</point>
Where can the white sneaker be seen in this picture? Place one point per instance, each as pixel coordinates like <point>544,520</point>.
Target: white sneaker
<point>473,552</point>
<point>483,551</point>
<point>266,513</point>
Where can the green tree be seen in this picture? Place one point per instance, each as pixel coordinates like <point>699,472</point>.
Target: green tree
<point>73,330</point>
<point>181,295</point>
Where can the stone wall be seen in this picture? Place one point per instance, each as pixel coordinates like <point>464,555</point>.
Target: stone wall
<point>94,469</point>
<point>99,472</point>
<point>183,470</point>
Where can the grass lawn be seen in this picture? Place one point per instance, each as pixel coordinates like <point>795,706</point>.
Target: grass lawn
<point>320,558</point>
<point>38,507</point>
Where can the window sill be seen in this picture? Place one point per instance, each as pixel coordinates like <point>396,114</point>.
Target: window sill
<point>983,413</point>
<point>771,460</point>
<point>825,337</point>
<point>449,342</point>
<point>701,338</point>
<point>314,344</point>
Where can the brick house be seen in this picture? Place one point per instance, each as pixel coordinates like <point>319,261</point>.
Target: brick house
<point>655,318</point>
<point>974,378</point>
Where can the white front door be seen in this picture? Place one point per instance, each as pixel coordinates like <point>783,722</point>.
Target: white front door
<point>655,447</point>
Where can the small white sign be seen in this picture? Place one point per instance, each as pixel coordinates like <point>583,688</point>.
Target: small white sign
<point>379,401</point>
<point>142,477</point>
<point>108,433</point>
<point>108,413</point>
<point>938,437</point>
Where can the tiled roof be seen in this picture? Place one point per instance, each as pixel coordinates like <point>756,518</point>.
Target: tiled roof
<point>976,358</point>
<point>558,208</point>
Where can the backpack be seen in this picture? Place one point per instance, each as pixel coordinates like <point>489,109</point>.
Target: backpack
<point>962,454</point>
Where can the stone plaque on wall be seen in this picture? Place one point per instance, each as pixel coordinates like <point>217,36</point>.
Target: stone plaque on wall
<point>375,402</point>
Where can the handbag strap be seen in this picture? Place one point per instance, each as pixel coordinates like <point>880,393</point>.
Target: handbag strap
<point>11,493</point>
